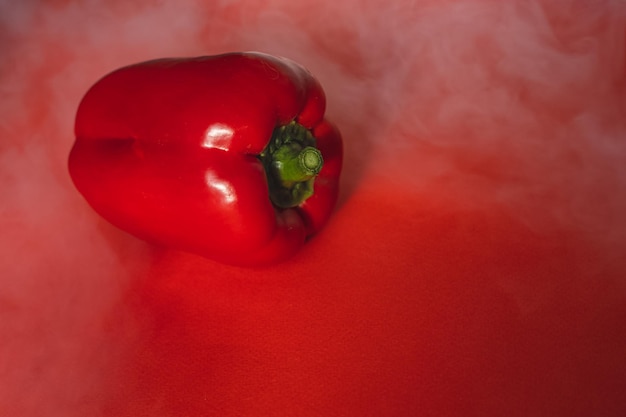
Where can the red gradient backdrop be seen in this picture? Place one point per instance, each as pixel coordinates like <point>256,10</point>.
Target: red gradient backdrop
<point>475,265</point>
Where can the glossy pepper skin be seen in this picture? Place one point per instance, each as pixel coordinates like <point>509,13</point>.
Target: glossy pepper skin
<point>187,153</point>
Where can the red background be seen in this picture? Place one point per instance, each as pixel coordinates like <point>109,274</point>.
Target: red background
<point>474,266</point>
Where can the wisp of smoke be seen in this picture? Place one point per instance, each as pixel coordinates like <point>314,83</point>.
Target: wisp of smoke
<point>515,103</point>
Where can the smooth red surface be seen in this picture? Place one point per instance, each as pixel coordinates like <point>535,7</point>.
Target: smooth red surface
<point>167,150</point>
<point>474,266</point>
<point>455,311</point>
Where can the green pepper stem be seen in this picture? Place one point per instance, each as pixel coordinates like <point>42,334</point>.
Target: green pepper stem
<point>293,166</point>
<point>291,163</point>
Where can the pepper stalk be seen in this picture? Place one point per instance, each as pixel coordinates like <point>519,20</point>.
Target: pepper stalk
<point>291,163</point>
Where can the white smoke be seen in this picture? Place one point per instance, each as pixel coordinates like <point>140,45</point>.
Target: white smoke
<point>514,103</point>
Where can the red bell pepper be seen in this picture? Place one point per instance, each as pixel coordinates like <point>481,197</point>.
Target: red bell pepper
<point>226,156</point>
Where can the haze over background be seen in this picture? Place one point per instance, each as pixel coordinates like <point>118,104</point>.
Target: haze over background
<point>475,263</point>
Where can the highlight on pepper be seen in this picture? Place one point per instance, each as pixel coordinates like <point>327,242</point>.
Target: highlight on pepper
<point>227,156</point>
